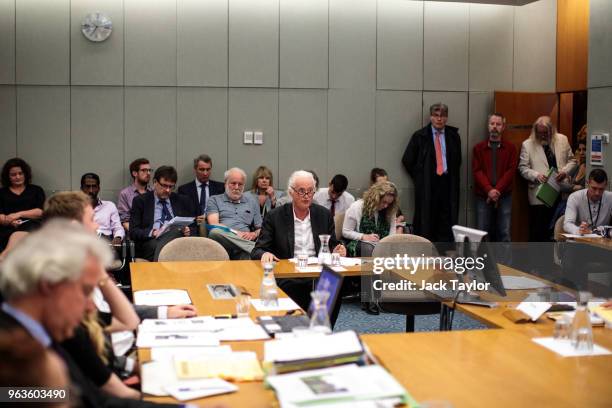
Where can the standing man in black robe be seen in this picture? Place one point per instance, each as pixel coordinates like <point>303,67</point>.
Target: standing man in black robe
<point>433,160</point>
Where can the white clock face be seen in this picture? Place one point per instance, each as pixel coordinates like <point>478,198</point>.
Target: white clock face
<point>97,27</point>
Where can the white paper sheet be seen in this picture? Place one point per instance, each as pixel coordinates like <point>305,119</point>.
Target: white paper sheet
<point>283,305</point>
<point>309,347</point>
<point>156,375</point>
<point>534,309</point>
<point>581,236</point>
<point>148,339</point>
<point>200,323</point>
<point>162,297</point>
<point>565,349</point>
<point>521,282</point>
<point>312,260</point>
<point>307,269</point>
<point>344,261</point>
<point>191,389</point>
<point>171,353</point>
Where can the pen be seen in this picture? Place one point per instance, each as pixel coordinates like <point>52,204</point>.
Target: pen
<point>226,316</point>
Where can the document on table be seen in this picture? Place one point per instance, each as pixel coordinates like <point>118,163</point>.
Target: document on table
<point>336,384</point>
<point>223,329</point>
<point>192,389</point>
<point>180,339</point>
<point>200,323</point>
<point>307,269</point>
<point>534,309</point>
<point>310,347</point>
<point>565,349</point>
<point>312,260</point>
<point>156,375</point>
<point>237,366</point>
<point>581,236</point>
<point>521,283</point>
<point>172,353</point>
<point>162,297</point>
<point>283,305</point>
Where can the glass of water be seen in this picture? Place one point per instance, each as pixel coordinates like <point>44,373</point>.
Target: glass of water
<point>302,260</point>
<point>243,304</point>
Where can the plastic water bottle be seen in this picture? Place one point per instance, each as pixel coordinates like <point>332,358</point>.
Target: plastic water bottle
<point>582,331</point>
<point>268,291</point>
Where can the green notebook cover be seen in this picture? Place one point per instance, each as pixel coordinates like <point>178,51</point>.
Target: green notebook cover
<point>549,192</point>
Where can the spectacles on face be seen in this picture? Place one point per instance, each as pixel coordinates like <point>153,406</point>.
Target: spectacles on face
<point>165,186</point>
<point>145,170</point>
<point>303,192</point>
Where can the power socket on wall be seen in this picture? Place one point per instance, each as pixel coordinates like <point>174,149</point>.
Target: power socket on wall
<point>253,137</point>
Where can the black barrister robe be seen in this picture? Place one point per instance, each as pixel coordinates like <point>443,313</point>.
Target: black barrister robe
<point>420,161</point>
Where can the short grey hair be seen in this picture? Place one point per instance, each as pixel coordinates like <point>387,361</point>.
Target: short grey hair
<point>438,106</point>
<point>202,158</point>
<point>234,170</point>
<point>299,174</point>
<point>55,253</point>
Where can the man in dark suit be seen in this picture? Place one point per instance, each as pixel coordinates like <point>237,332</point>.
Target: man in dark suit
<point>295,228</point>
<point>433,160</point>
<point>152,210</point>
<point>47,281</point>
<point>202,188</point>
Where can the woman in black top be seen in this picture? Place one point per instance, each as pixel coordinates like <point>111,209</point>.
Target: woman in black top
<point>21,203</point>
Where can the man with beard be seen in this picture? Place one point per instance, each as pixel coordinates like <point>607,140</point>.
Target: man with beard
<point>105,212</point>
<point>494,163</point>
<point>234,218</point>
<point>140,170</point>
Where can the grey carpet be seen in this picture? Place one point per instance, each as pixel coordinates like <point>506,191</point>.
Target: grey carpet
<point>351,317</point>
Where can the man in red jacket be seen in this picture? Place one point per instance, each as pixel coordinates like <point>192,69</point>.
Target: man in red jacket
<point>494,163</point>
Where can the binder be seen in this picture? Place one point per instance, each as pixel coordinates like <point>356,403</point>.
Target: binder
<point>549,192</point>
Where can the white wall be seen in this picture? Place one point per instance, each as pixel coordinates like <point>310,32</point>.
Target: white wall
<point>336,85</point>
<point>599,115</point>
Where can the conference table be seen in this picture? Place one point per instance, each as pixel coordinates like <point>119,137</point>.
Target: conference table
<point>475,368</point>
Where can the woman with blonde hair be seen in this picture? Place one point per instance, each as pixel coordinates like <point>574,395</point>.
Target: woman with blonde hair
<point>262,190</point>
<point>372,217</point>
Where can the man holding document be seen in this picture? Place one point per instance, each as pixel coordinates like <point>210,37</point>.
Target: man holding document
<point>543,150</point>
<point>159,216</point>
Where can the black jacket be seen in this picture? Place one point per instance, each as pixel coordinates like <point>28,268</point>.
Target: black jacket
<point>89,394</point>
<point>278,236</point>
<point>143,210</point>
<point>420,161</point>
<point>191,190</point>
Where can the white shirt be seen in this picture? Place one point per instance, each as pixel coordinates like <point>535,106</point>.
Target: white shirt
<point>352,220</point>
<point>343,202</point>
<point>303,241</point>
<point>577,211</point>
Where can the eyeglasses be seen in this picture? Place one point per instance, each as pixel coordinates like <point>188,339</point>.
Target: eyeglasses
<point>146,170</point>
<point>303,193</point>
<point>167,186</point>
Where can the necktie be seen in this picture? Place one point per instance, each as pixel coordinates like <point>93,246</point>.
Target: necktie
<point>494,146</point>
<point>550,156</point>
<point>333,208</point>
<point>439,160</point>
<point>203,198</point>
<point>165,212</point>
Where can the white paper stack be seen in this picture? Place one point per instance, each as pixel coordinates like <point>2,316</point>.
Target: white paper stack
<point>337,385</point>
<point>312,347</point>
<point>221,329</point>
<point>176,339</point>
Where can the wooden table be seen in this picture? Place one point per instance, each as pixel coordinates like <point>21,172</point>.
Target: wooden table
<point>468,368</point>
<point>604,243</point>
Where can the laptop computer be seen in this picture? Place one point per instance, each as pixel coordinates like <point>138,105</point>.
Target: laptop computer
<point>329,281</point>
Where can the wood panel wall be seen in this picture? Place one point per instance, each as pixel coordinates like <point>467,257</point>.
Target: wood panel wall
<point>572,45</point>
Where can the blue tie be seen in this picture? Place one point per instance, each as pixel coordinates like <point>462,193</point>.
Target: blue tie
<point>165,212</point>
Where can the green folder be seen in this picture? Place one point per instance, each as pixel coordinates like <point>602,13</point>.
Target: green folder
<point>549,192</point>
